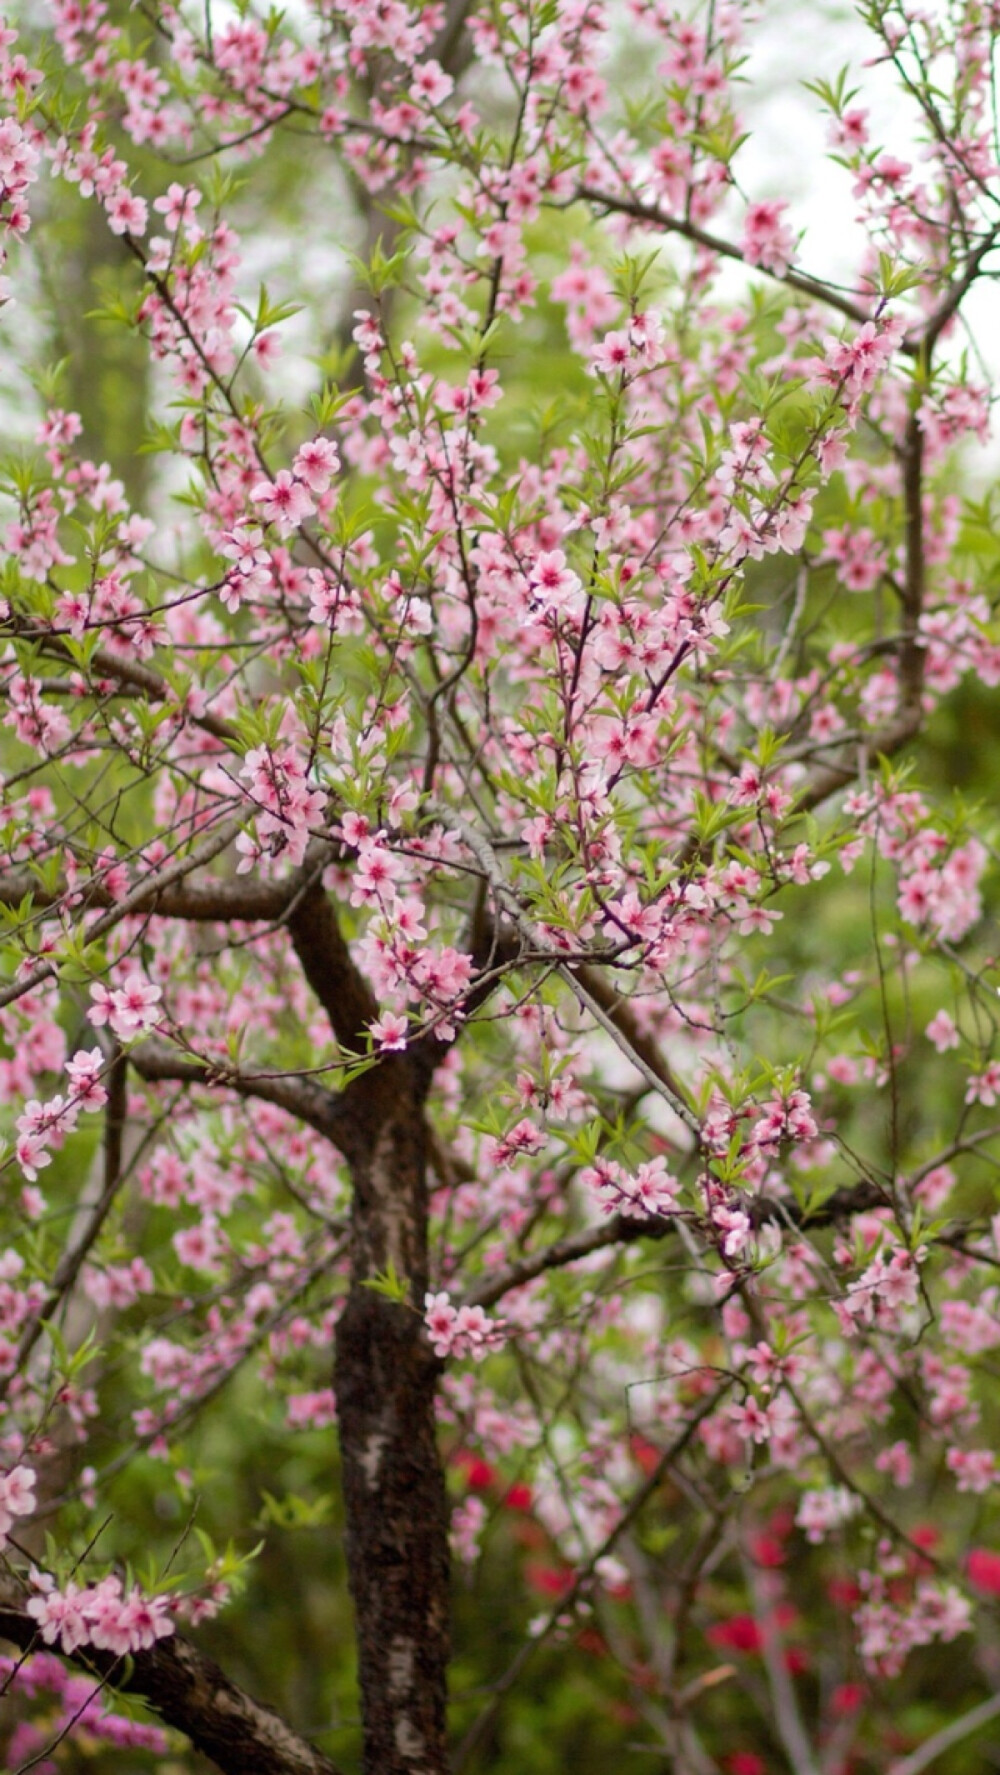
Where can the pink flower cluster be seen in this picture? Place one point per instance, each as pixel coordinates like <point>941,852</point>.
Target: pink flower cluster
<point>100,1615</point>
<point>889,1285</point>
<point>975,1469</point>
<point>767,239</point>
<point>100,173</point>
<point>288,807</point>
<point>820,1512</point>
<point>890,1628</point>
<point>462,1331</point>
<point>81,1707</point>
<point>44,1126</point>
<point>17,1498</point>
<point>18,170</point>
<point>130,1009</point>
<point>649,1191</point>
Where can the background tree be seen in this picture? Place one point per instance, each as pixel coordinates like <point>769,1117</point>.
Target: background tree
<point>468,900</point>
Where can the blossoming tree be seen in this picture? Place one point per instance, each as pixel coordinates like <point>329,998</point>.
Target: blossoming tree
<point>480,966</point>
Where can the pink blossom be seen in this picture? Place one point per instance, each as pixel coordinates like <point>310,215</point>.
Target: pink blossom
<point>468,1519</point>
<point>285,502</point>
<point>984,1087</point>
<point>751,1421</point>
<point>820,1512</point>
<point>199,1246</point>
<point>767,239</point>
<point>130,1009</point>
<point>975,1469</point>
<point>553,583</point>
<point>390,1031</point>
<point>651,1191</point>
<point>897,1461</point>
<point>123,1624</point>
<point>439,1317</point>
<point>316,463</point>
<point>523,1138</point>
<point>466,1331</point>
<point>177,204</point>
<point>16,1497</point>
<point>613,355</point>
<point>430,83</point>
<point>60,1614</point>
<point>942,1032</point>
<point>127,213</point>
<point>267,350</point>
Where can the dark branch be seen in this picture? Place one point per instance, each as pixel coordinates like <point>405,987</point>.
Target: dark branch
<point>619,1230</point>
<point>603,992</point>
<point>142,679</point>
<point>326,962</point>
<point>713,243</point>
<point>623,1229</point>
<point>821,784</point>
<point>136,900</point>
<point>189,1692</point>
<point>305,1098</point>
<point>206,902</point>
<point>926,338</point>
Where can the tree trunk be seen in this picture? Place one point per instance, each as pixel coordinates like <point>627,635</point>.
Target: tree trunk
<point>394,1494</point>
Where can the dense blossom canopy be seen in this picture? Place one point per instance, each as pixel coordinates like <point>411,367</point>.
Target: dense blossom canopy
<point>476,892</point>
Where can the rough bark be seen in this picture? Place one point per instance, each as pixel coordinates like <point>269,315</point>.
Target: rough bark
<point>188,1691</point>
<point>394,1494</point>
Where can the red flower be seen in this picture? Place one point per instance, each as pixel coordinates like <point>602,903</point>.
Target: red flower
<point>548,1579</point>
<point>983,1569</point>
<point>926,1535</point>
<point>740,1633</point>
<point>847,1698</point>
<point>645,1456</point>
<point>519,1497</point>
<point>479,1475</point>
<point>767,1550</point>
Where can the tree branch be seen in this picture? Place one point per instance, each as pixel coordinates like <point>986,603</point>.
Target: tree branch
<point>562,1610</point>
<point>623,1229</point>
<point>618,1009</point>
<point>641,211</point>
<point>935,1746</point>
<point>190,1692</point>
<point>925,338</point>
<point>579,978</point>
<point>138,677</point>
<point>619,1230</point>
<point>784,1701</point>
<point>312,1102</point>
<point>884,744</point>
<point>137,900</point>
<point>326,962</point>
<point>243,898</point>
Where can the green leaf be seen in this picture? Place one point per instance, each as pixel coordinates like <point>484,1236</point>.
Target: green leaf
<point>389,1284</point>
